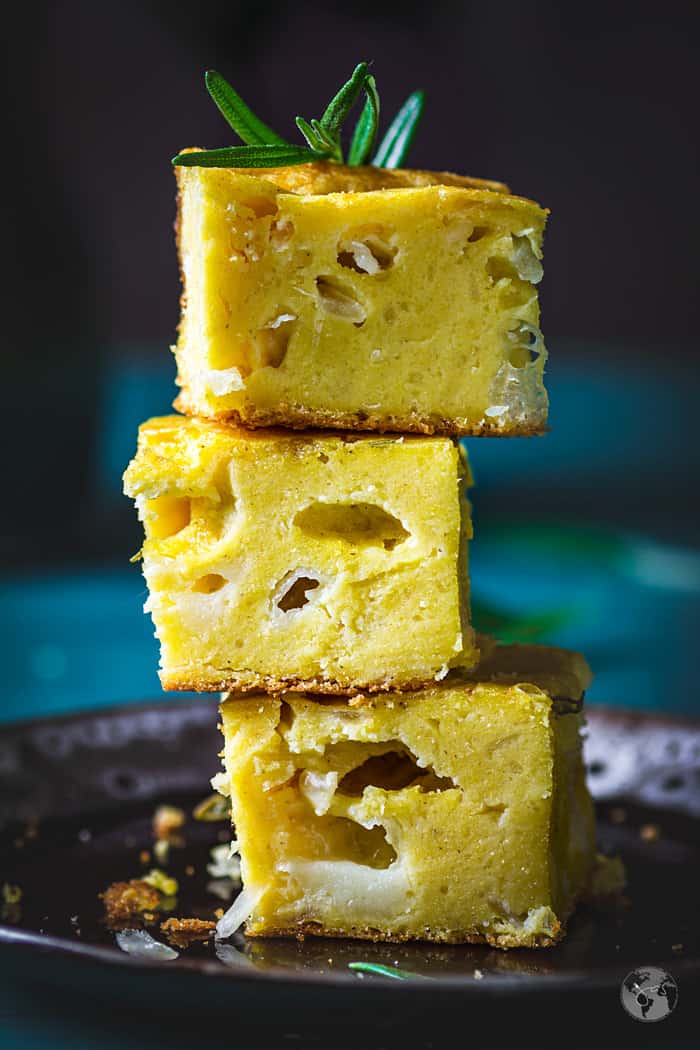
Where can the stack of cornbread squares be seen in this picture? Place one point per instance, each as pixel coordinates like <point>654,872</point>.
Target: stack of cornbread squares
<point>391,774</point>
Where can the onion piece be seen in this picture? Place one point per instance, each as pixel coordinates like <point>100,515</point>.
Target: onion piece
<point>224,862</point>
<point>220,782</point>
<point>140,944</point>
<point>319,789</point>
<point>222,381</point>
<point>241,909</point>
<point>280,320</point>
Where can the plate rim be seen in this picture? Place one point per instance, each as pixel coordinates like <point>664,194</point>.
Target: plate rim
<point>513,984</point>
<point>576,980</point>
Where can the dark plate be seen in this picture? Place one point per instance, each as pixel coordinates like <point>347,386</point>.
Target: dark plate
<point>76,799</point>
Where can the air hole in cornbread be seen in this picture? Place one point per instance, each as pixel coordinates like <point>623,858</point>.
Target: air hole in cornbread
<point>359,524</point>
<point>528,344</point>
<point>295,595</point>
<point>478,233</point>
<point>166,516</point>
<point>210,583</point>
<point>366,249</point>
<point>498,267</point>
<point>521,356</point>
<point>286,715</point>
<point>392,771</point>
<point>272,341</point>
<point>260,206</point>
<point>338,302</point>
<point>347,840</point>
<point>496,809</point>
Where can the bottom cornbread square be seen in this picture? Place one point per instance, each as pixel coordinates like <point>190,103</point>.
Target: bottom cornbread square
<point>455,813</point>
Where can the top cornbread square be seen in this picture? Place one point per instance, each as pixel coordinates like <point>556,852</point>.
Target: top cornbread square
<point>359,298</point>
<point>321,561</point>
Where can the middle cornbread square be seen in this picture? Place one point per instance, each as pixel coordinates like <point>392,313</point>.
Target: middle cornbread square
<point>321,561</point>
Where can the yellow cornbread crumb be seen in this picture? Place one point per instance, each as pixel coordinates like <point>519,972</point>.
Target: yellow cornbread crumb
<point>277,560</point>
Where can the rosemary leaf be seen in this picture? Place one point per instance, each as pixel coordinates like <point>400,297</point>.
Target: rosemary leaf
<point>309,134</point>
<point>323,135</point>
<point>341,104</point>
<point>248,157</point>
<point>386,971</point>
<point>365,133</point>
<point>396,143</point>
<point>264,148</point>
<point>247,126</point>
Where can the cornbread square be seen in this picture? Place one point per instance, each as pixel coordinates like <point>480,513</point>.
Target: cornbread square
<point>360,298</point>
<point>456,813</point>
<point>317,561</point>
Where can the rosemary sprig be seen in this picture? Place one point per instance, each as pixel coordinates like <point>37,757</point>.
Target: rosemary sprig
<point>248,157</point>
<point>340,105</point>
<point>386,971</point>
<point>264,148</point>
<point>365,133</point>
<point>315,138</point>
<point>233,109</point>
<point>402,130</point>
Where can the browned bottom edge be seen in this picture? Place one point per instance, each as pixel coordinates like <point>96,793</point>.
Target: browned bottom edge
<point>368,933</point>
<point>296,419</point>
<point>255,683</point>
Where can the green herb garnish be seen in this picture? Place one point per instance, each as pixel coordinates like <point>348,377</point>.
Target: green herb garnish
<point>397,141</point>
<point>366,129</point>
<point>233,109</point>
<point>386,971</point>
<point>264,148</point>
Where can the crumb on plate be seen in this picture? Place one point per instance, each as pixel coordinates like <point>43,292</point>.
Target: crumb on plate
<point>183,932</point>
<point>124,901</point>
<point>165,884</point>
<point>166,821</point>
<point>11,894</point>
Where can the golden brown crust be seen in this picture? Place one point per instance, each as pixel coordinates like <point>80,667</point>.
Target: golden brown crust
<point>244,683</point>
<point>368,933</point>
<point>322,177</point>
<point>301,419</point>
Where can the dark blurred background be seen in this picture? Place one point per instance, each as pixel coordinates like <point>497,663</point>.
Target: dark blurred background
<point>590,108</point>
